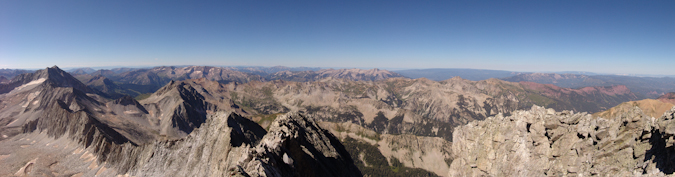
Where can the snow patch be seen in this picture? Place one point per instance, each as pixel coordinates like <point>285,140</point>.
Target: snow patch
<point>131,112</point>
<point>31,83</point>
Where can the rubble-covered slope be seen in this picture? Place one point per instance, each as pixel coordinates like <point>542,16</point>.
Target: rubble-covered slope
<point>542,142</point>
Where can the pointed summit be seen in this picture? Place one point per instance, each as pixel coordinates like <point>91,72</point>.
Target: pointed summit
<point>181,108</point>
<point>53,76</point>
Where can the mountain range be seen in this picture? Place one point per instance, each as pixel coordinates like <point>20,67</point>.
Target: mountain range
<point>56,125</point>
<point>217,121</point>
<point>440,74</point>
<point>645,87</point>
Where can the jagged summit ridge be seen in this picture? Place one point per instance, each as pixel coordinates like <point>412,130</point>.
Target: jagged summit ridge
<point>297,146</point>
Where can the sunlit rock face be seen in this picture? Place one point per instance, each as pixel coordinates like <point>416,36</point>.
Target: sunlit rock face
<point>541,142</point>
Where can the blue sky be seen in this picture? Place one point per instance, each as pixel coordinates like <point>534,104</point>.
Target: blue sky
<point>632,37</point>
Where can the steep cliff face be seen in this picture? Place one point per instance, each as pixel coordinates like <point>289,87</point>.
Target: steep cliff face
<point>544,142</point>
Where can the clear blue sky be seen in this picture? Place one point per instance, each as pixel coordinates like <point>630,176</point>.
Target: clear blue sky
<point>636,37</point>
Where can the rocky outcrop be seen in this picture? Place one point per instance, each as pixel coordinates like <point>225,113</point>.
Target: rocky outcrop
<point>542,142</point>
<point>297,146</point>
<point>225,145</point>
<point>211,150</point>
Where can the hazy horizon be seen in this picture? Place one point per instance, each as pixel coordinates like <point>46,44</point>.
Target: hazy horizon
<point>609,37</point>
<point>366,68</point>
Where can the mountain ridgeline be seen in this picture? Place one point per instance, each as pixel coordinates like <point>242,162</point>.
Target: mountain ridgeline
<point>135,82</point>
<point>219,121</point>
<point>51,124</point>
<point>644,87</point>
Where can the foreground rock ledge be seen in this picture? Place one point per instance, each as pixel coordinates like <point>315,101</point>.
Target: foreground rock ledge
<point>542,142</point>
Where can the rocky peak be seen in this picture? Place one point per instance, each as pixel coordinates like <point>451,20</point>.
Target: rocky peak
<point>179,107</point>
<point>297,146</point>
<point>51,77</point>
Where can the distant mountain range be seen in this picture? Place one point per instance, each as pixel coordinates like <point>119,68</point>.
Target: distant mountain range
<point>145,81</point>
<point>343,122</point>
<point>134,82</point>
<point>645,87</point>
<point>439,74</point>
<point>10,73</point>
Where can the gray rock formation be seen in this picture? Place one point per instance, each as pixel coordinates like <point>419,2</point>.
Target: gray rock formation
<point>542,142</point>
<point>297,146</point>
